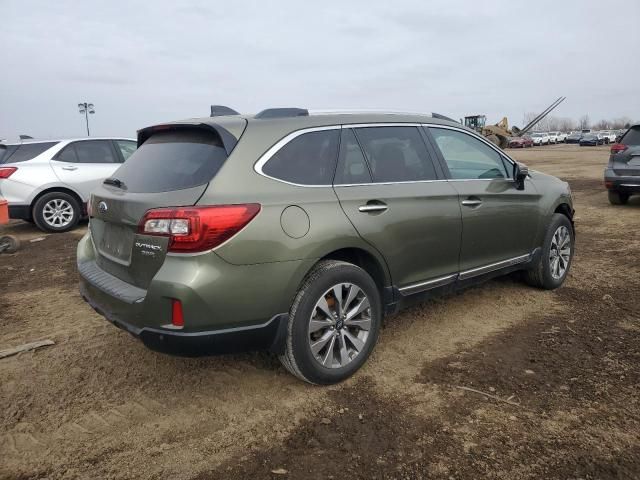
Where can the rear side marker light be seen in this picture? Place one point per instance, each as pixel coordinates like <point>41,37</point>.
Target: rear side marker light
<point>177,317</point>
<point>6,172</point>
<point>618,147</point>
<point>197,229</point>
<point>608,185</point>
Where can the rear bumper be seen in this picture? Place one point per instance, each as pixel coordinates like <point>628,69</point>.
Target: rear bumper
<point>267,336</point>
<point>20,212</point>
<point>227,308</point>
<point>619,183</point>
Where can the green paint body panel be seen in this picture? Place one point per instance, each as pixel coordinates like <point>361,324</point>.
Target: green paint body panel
<point>424,234</point>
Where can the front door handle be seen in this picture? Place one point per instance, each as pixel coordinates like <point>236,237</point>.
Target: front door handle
<point>471,202</point>
<point>373,207</point>
<point>69,167</point>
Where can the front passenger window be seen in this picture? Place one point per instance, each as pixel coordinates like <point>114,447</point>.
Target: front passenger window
<point>468,158</point>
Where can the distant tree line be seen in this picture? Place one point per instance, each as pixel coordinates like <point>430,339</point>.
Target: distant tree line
<point>565,124</point>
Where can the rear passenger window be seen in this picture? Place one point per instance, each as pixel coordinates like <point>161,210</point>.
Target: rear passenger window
<point>67,154</point>
<point>396,154</point>
<point>352,167</point>
<point>308,159</point>
<point>95,151</point>
<point>467,157</point>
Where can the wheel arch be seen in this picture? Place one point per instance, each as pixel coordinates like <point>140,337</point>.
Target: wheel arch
<point>365,260</point>
<point>66,190</point>
<point>565,209</point>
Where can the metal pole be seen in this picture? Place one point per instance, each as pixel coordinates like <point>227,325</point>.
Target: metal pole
<point>86,118</point>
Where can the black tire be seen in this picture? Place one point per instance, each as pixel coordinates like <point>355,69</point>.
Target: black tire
<point>9,244</point>
<point>38,212</point>
<point>617,198</point>
<point>298,357</point>
<point>539,275</point>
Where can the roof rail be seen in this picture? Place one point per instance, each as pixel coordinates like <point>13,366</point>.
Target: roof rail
<point>443,117</point>
<point>282,112</point>
<point>221,110</point>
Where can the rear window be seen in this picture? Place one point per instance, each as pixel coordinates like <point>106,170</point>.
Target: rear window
<point>632,137</point>
<point>25,151</point>
<point>173,160</point>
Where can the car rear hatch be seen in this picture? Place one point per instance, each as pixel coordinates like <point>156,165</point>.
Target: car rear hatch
<point>172,167</point>
<point>625,155</point>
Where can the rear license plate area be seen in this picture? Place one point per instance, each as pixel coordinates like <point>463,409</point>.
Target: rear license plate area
<point>115,243</point>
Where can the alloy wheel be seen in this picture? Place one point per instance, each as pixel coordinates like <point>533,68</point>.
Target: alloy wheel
<point>560,252</point>
<point>339,325</point>
<point>57,213</point>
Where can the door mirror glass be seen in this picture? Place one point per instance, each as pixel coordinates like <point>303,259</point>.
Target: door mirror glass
<point>520,172</point>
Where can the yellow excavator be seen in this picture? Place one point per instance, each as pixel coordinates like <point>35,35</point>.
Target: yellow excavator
<point>500,133</point>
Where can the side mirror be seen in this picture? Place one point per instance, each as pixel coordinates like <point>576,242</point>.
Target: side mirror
<point>520,172</point>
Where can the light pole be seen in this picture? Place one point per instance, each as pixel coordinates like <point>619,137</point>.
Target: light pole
<point>86,108</point>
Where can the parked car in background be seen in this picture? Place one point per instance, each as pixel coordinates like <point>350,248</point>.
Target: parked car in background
<point>619,134</point>
<point>553,137</point>
<point>609,136</point>
<point>561,136</point>
<point>521,142</point>
<point>322,221</point>
<point>540,138</point>
<point>574,137</point>
<point>590,140</point>
<point>49,182</point>
<point>622,174</point>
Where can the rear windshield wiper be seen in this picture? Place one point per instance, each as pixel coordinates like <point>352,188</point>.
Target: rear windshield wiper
<point>115,182</point>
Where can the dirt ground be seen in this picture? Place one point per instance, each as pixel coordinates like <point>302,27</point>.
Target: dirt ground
<point>562,370</point>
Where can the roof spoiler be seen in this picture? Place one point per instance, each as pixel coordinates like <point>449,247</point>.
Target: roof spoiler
<point>221,110</point>
<point>228,140</point>
<point>443,117</point>
<point>282,113</point>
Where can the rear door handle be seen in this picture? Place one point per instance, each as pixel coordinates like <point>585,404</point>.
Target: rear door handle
<point>69,167</point>
<point>373,207</point>
<point>471,203</point>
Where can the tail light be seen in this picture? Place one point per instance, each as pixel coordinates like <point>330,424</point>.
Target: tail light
<point>618,147</point>
<point>196,229</point>
<point>6,172</point>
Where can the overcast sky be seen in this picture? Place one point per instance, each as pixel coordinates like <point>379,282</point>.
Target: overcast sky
<point>142,63</point>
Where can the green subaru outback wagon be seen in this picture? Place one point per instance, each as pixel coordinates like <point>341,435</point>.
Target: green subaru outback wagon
<point>296,233</point>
